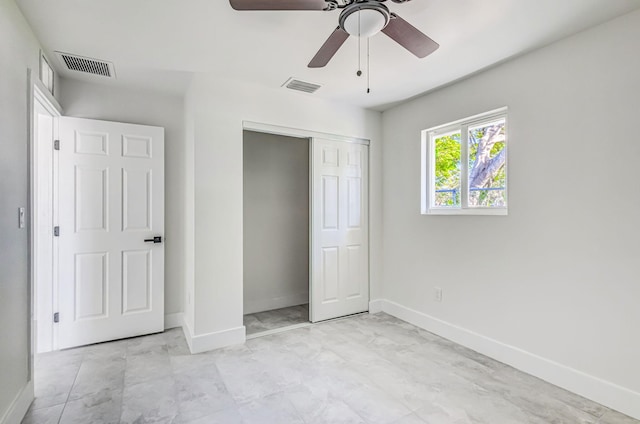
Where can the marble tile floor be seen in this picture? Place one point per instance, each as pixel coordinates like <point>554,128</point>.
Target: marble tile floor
<point>277,318</point>
<point>364,369</point>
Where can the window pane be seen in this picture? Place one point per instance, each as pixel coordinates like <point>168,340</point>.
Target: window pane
<point>447,170</point>
<point>50,84</point>
<point>46,74</point>
<point>42,69</point>
<point>487,171</point>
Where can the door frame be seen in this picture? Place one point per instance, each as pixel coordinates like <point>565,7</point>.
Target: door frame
<point>311,136</point>
<point>38,94</point>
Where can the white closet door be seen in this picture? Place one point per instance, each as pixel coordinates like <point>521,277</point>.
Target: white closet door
<point>111,199</point>
<point>340,230</point>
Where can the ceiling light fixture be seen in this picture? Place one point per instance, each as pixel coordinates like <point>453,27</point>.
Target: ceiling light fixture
<point>364,19</point>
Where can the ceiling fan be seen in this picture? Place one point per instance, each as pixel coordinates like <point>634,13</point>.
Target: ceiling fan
<point>360,18</point>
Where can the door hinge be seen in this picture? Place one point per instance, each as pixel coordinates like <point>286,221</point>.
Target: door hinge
<point>56,144</point>
<point>56,231</point>
<point>56,317</point>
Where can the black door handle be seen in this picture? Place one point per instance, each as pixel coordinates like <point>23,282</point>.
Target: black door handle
<point>156,239</point>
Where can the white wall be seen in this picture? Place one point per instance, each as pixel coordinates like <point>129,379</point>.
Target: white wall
<point>19,50</point>
<point>94,101</point>
<point>275,221</point>
<point>216,108</point>
<point>558,277</point>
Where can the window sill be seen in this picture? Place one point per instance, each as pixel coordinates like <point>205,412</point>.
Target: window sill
<point>469,211</point>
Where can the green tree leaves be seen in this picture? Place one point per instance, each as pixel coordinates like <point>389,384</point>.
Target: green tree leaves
<point>447,169</point>
<point>485,166</point>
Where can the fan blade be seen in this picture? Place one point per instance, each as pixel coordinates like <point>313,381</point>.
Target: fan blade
<point>329,48</point>
<point>409,37</point>
<point>278,4</point>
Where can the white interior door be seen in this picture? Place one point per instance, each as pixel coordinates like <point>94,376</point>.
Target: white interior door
<point>111,199</point>
<point>340,229</point>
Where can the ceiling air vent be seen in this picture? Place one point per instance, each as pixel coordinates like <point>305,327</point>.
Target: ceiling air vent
<point>304,86</point>
<point>87,65</point>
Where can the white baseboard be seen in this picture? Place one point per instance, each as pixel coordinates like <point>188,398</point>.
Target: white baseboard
<point>253,306</point>
<point>375,306</point>
<point>604,392</point>
<point>19,406</point>
<point>173,320</point>
<point>210,341</point>
<point>188,334</point>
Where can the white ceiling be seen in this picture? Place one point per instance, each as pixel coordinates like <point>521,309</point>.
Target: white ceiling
<point>158,44</point>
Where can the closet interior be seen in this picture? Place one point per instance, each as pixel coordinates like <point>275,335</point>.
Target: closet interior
<point>275,231</point>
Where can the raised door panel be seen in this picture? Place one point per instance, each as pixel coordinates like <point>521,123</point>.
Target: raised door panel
<point>136,199</point>
<point>330,156</point>
<point>354,158</point>
<point>330,202</point>
<point>136,146</point>
<point>353,280</point>
<point>91,198</point>
<point>91,143</point>
<point>136,281</point>
<point>354,202</point>
<point>330,274</point>
<point>91,292</point>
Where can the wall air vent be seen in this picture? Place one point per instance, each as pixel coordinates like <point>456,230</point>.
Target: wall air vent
<point>304,86</point>
<point>87,65</point>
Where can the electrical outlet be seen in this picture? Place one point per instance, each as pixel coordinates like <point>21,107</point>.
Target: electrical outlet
<point>437,294</point>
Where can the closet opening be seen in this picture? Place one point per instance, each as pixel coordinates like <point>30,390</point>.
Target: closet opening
<point>276,232</point>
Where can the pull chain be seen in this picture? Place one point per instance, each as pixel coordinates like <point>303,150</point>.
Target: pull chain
<point>368,67</point>
<point>359,73</point>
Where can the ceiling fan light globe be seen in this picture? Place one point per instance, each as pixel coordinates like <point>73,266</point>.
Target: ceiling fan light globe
<point>365,22</point>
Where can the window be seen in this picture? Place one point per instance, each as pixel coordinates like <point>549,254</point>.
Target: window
<point>465,166</point>
<point>46,73</point>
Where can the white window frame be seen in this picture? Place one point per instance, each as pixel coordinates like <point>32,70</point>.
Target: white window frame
<point>428,165</point>
<point>47,74</point>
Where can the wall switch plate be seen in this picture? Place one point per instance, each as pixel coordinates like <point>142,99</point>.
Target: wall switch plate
<point>437,294</point>
<point>21,219</point>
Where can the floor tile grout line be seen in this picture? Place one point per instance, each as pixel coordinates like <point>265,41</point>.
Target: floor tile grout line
<point>215,364</point>
<point>71,389</point>
<point>374,384</point>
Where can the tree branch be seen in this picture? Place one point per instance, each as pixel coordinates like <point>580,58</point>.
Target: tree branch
<point>484,167</point>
